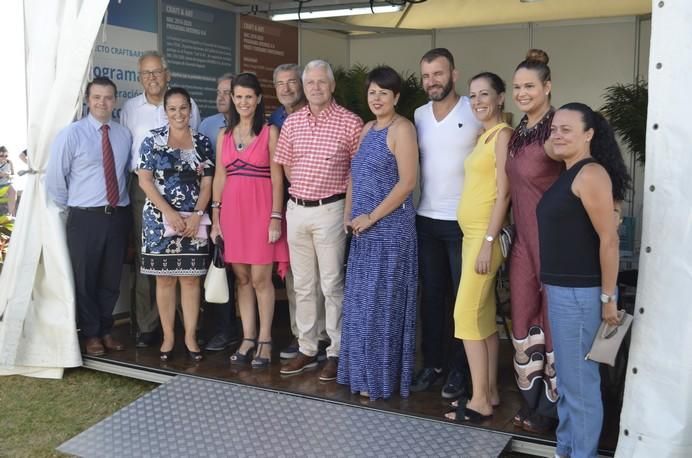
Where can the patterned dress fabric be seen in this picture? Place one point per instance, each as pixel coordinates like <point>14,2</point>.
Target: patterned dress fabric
<point>531,172</point>
<point>247,205</point>
<point>475,308</point>
<point>177,176</point>
<point>379,312</point>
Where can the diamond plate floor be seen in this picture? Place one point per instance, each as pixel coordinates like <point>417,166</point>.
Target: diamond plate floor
<point>190,416</point>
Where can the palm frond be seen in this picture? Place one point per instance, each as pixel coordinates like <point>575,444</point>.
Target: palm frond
<point>625,108</point>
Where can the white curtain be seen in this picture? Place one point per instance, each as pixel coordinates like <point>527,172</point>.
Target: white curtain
<point>656,418</point>
<point>37,305</point>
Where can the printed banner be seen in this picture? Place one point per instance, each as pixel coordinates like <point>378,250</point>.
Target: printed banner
<point>264,45</point>
<point>198,42</point>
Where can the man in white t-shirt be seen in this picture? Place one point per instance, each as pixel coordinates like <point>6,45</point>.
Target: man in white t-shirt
<point>140,115</point>
<point>447,132</point>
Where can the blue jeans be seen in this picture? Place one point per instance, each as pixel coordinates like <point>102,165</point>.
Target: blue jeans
<point>439,266</point>
<point>575,315</point>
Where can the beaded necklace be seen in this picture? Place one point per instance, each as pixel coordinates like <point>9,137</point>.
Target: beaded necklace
<point>523,135</point>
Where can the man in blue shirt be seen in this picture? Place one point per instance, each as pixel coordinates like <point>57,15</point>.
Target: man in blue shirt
<point>87,174</point>
<point>222,316</point>
<point>212,125</point>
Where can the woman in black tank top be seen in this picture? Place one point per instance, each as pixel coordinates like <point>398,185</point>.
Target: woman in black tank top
<point>578,240</point>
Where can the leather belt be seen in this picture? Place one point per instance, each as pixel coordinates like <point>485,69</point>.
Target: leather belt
<point>316,203</point>
<point>106,209</point>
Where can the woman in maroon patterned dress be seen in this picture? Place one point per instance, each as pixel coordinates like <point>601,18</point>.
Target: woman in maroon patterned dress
<point>531,172</point>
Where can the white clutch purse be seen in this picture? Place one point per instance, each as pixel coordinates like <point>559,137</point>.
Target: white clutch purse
<point>608,340</point>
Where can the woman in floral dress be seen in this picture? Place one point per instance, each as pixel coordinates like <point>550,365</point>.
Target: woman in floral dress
<point>175,173</point>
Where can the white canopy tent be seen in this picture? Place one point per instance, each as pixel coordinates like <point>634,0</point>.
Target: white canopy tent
<point>37,330</point>
<point>37,313</point>
<point>656,419</point>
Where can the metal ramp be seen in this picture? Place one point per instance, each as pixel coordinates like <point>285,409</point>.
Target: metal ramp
<point>190,416</point>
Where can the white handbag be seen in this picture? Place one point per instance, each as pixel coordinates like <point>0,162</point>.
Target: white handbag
<point>216,283</point>
<point>608,340</point>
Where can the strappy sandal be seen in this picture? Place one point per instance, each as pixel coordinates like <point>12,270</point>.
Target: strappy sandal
<point>519,418</point>
<point>463,414</point>
<point>240,359</point>
<point>259,362</point>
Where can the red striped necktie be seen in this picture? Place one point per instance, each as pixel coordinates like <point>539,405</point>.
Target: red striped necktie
<point>112,192</point>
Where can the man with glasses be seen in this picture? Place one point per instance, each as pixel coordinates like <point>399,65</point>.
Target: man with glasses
<point>141,114</point>
<point>289,91</point>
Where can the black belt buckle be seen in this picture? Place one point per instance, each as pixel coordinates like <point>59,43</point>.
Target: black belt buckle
<point>108,210</point>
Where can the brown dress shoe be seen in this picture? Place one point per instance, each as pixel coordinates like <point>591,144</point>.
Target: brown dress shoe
<point>111,344</point>
<point>329,370</point>
<point>299,364</point>
<point>94,347</point>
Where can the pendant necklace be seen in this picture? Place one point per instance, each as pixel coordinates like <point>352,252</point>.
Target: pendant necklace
<point>242,140</point>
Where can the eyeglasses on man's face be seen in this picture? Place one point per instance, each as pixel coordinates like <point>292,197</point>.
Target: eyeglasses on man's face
<point>282,84</point>
<point>154,73</point>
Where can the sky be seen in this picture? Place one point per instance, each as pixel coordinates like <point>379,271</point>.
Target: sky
<point>12,83</point>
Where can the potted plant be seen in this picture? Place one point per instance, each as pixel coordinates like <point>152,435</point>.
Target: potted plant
<point>625,108</point>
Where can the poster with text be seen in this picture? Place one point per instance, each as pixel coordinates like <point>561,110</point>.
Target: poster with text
<point>264,45</point>
<point>199,44</point>
<point>130,30</point>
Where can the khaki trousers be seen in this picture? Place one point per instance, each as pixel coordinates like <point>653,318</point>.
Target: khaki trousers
<point>291,297</point>
<point>317,245</point>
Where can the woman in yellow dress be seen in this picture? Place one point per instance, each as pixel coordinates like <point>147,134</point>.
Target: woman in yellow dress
<point>481,214</point>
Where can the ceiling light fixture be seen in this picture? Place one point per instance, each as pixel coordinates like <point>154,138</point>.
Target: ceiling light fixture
<point>317,14</point>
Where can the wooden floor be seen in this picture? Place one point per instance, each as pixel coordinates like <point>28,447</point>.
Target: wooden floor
<point>427,404</point>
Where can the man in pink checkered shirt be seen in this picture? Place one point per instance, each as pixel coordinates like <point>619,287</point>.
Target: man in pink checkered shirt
<point>315,147</point>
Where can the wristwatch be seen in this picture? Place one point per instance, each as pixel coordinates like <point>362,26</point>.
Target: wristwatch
<point>199,212</point>
<point>489,238</point>
<point>606,298</point>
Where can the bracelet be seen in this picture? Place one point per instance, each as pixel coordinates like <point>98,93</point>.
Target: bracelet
<point>215,204</point>
<point>276,215</point>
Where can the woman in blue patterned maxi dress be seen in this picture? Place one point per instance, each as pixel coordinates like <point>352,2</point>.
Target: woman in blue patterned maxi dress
<point>379,314</point>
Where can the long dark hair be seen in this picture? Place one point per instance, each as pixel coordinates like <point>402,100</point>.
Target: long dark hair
<point>604,148</point>
<point>249,81</point>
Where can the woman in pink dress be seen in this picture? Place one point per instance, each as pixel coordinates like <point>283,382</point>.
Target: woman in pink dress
<point>247,211</point>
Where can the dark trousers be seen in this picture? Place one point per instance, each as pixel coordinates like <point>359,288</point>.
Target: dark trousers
<point>97,244</point>
<point>143,307</point>
<point>221,318</point>
<point>439,261</point>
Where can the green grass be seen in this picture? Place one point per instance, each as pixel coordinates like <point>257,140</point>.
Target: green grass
<point>37,415</point>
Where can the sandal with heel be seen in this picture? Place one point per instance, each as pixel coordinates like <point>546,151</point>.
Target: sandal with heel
<point>240,359</point>
<point>195,356</point>
<point>259,362</point>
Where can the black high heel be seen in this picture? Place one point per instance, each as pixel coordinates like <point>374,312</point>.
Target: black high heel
<point>240,359</point>
<point>166,356</point>
<point>195,356</point>
<point>258,362</point>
